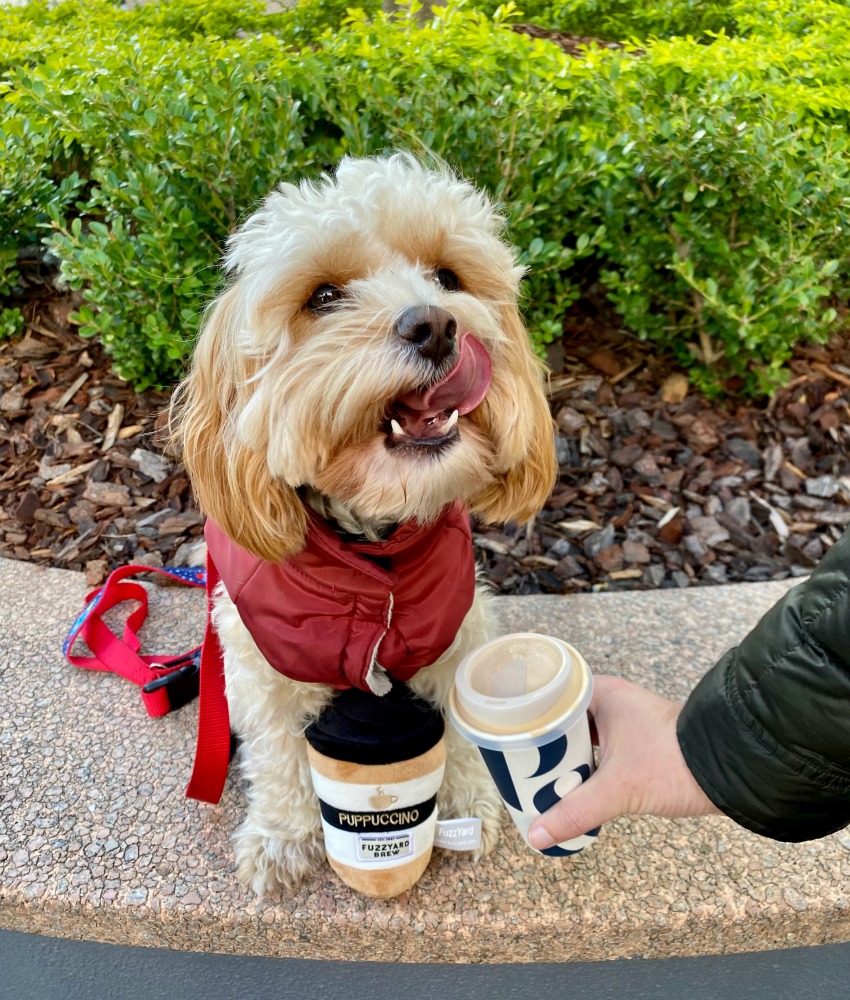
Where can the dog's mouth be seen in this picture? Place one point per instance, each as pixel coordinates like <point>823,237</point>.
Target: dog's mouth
<point>428,418</point>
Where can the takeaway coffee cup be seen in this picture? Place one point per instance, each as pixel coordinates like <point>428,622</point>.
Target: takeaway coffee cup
<point>377,764</point>
<point>522,699</point>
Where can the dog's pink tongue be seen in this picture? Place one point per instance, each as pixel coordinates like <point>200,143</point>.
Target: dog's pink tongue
<point>462,389</point>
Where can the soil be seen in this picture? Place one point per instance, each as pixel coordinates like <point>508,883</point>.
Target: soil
<point>658,487</point>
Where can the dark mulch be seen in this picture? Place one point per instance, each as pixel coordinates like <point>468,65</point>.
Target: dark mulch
<point>657,487</point>
<point>573,45</point>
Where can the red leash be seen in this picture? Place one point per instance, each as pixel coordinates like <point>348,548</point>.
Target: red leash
<point>212,752</point>
<point>167,683</point>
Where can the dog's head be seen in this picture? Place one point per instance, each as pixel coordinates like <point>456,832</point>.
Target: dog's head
<point>368,347</point>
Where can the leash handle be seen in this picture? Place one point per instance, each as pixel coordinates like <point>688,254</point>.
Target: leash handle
<point>166,683</point>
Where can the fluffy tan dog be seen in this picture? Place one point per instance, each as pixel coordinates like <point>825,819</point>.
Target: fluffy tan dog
<point>366,365</point>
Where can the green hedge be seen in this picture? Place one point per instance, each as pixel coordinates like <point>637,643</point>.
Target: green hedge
<point>618,20</point>
<point>704,183</point>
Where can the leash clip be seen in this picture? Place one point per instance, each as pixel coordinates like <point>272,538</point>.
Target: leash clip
<point>181,683</point>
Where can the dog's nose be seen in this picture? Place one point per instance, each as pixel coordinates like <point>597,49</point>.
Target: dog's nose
<point>431,329</point>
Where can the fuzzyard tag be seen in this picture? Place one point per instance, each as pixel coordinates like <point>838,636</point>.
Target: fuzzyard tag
<point>458,834</point>
<point>384,847</point>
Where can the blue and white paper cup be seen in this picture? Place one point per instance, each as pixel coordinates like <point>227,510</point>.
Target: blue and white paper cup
<point>523,699</point>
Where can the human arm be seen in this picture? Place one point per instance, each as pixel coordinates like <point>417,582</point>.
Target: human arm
<point>767,731</point>
<point>764,738</point>
<point>641,769</point>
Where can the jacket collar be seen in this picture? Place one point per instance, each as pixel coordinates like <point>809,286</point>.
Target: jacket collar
<point>407,538</point>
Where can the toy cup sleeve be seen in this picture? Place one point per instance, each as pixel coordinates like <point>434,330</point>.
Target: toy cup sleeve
<point>377,764</point>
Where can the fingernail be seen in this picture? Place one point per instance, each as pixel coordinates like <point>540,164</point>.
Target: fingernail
<point>539,837</point>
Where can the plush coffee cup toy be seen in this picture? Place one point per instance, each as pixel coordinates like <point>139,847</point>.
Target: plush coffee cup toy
<point>377,763</point>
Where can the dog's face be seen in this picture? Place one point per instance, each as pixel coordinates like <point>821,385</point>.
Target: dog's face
<point>368,347</point>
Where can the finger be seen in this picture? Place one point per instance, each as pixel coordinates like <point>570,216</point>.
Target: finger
<point>593,803</point>
<point>603,685</point>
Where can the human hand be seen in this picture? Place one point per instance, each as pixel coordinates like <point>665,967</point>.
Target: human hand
<point>641,768</point>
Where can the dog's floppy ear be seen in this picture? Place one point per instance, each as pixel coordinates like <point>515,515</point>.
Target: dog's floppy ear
<point>231,481</point>
<point>526,467</point>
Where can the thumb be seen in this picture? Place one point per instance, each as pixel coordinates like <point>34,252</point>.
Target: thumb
<point>589,806</point>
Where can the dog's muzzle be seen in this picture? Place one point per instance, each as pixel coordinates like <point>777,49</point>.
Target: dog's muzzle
<point>428,418</point>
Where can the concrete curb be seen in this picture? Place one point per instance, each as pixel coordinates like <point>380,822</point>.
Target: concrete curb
<point>97,841</point>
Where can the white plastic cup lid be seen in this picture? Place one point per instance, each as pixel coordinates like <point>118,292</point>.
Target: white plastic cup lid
<point>513,681</point>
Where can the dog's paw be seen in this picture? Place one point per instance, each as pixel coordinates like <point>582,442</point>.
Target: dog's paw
<point>268,863</point>
<point>491,825</point>
<point>490,811</point>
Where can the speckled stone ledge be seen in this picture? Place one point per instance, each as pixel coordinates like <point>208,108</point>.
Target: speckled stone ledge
<point>98,842</point>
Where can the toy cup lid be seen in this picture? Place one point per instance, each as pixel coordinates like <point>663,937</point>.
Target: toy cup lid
<point>364,728</point>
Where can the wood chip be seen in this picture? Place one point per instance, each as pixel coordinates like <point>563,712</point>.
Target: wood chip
<point>12,402</point>
<point>606,362</point>
<point>779,523</point>
<point>831,373</point>
<point>559,383</point>
<point>491,545</point>
<point>624,374</point>
<point>578,526</point>
<point>31,347</point>
<point>151,464</point>
<point>671,513</point>
<point>802,527</point>
<point>71,475</point>
<point>654,501</point>
<point>674,389</point>
<point>837,517</point>
<point>113,426</point>
<point>97,571</point>
<point>69,394</point>
<point>538,561</point>
<point>131,431</point>
<point>107,494</point>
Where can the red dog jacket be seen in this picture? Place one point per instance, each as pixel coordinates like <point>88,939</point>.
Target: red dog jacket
<point>336,609</point>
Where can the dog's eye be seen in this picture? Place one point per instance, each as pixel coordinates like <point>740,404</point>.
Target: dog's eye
<point>447,279</point>
<point>324,297</point>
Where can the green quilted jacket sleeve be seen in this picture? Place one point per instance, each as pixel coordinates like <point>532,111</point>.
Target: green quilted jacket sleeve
<point>766,732</point>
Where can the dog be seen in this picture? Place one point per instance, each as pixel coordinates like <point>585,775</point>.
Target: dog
<point>364,372</point>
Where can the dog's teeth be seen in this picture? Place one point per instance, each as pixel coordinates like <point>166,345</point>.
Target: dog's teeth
<point>451,421</point>
<point>396,428</point>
